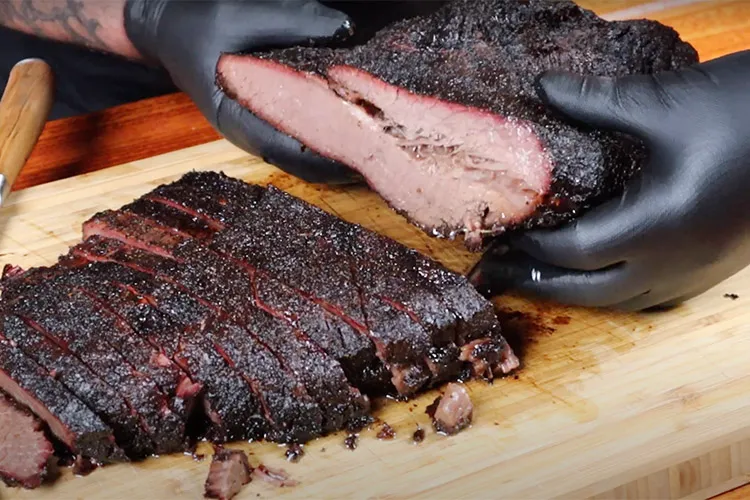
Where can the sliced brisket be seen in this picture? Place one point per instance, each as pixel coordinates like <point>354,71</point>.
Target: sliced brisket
<point>71,319</point>
<point>343,338</point>
<point>69,420</point>
<point>191,302</point>
<point>196,267</point>
<point>441,115</point>
<point>177,322</point>
<point>24,449</point>
<point>82,383</point>
<point>259,356</point>
<point>386,300</point>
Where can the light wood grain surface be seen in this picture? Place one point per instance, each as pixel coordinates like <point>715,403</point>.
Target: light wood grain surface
<point>607,405</point>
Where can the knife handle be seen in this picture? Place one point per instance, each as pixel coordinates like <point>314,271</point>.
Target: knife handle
<point>24,108</point>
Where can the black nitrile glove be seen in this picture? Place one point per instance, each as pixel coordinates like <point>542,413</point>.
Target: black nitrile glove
<point>187,38</point>
<point>681,226</point>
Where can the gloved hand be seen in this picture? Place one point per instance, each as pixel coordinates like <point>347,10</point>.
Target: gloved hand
<point>186,38</point>
<point>680,227</point>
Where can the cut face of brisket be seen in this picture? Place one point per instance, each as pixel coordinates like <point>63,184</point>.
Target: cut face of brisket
<point>189,304</point>
<point>441,115</point>
<point>24,449</point>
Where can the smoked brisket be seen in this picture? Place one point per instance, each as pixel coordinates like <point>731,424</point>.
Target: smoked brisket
<point>441,116</point>
<point>189,314</point>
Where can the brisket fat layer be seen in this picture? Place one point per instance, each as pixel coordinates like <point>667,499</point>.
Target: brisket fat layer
<point>447,104</point>
<point>189,305</point>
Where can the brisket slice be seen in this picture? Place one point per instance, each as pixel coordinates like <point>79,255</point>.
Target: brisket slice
<point>213,197</point>
<point>441,116</point>
<point>82,383</point>
<point>71,319</point>
<point>69,420</point>
<point>24,449</point>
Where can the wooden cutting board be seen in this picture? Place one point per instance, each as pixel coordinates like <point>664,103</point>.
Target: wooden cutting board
<point>607,405</point>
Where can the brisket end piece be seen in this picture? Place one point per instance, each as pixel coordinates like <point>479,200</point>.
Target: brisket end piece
<point>82,383</point>
<point>447,104</point>
<point>69,420</point>
<point>69,318</point>
<point>24,449</point>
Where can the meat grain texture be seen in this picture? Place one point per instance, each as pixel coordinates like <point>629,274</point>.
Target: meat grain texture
<point>24,449</point>
<point>441,116</point>
<point>189,314</point>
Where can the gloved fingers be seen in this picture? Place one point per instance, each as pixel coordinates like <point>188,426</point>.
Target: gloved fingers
<point>522,273</point>
<point>634,104</point>
<point>599,238</point>
<point>292,22</point>
<point>250,133</point>
<point>573,246</point>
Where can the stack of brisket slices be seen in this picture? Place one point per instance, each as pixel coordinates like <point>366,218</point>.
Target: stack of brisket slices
<point>212,308</point>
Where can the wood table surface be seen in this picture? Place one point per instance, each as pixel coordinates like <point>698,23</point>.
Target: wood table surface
<point>142,129</point>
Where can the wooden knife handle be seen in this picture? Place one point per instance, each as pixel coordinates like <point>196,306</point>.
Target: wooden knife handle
<point>24,108</point>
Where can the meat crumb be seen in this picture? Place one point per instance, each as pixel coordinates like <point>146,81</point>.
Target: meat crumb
<point>418,436</point>
<point>732,296</point>
<point>230,471</point>
<point>294,453</point>
<point>561,320</point>
<point>84,466</point>
<point>453,411</point>
<point>277,477</point>
<point>351,441</point>
<point>386,432</point>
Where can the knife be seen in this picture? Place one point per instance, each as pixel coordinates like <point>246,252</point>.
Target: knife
<point>24,109</point>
